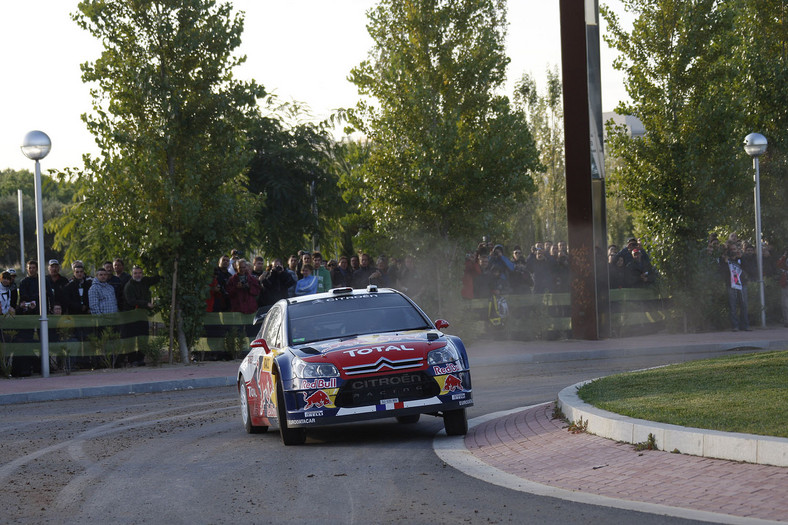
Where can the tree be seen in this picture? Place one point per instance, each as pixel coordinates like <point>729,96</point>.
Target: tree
<point>678,180</point>
<point>170,121</point>
<point>291,169</point>
<point>544,218</point>
<point>449,156</point>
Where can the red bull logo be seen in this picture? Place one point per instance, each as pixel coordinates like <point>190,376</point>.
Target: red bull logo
<point>448,369</point>
<point>318,399</point>
<point>452,383</point>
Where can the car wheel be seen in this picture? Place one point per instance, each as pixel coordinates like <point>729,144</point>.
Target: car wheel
<point>290,436</point>
<point>409,419</point>
<point>246,414</point>
<point>455,422</point>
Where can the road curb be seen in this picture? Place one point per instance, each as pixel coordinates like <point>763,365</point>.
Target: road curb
<point>116,390</point>
<point>750,448</point>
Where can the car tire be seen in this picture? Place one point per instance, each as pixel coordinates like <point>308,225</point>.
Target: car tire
<point>246,412</point>
<point>290,436</point>
<point>455,422</point>
<point>409,419</point>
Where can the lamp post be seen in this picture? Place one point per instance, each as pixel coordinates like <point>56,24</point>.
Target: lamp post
<point>755,145</point>
<point>36,146</point>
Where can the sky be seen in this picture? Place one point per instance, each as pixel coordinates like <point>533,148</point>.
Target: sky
<point>301,50</point>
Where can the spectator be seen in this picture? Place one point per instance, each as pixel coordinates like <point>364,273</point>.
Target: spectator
<point>640,270</point>
<point>561,270</point>
<point>275,284</point>
<point>361,276</point>
<point>308,283</point>
<point>14,290</point>
<point>76,292</point>
<point>55,284</point>
<point>116,283</point>
<point>136,293</point>
<point>409,279</point>
<point>101,294</point>
<point>501,266</point>
<point>542,271</point>
<point>119,267</point>
<point>5,294</point>
<point>484,282</point>
<point>220,296</point>
<point>469,276</point>
<point>323,274</point>
<point>243,289</point>
<point>28,290</point>
<point>734,272</point>
<point>235,256</point>
<point>306,258</point>
<point>258,267</point>
<point>342,275</point>
<point>520,278</point>
<point>355,263</point>
<point>381,276</point>
<point>617,272</point>
<point>292,269</point>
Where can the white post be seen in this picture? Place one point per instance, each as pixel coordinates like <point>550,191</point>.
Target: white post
<point>21,233</point>
<point>758,241</point>
<point>43,335</point>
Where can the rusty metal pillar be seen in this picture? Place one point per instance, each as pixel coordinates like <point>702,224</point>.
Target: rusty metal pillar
<point>585,195</point>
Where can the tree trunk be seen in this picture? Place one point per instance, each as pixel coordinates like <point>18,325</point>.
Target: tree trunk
<point>173,308</point>
<point>182,344</point>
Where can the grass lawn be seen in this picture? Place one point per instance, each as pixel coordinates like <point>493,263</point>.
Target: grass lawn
<point>743,393</point>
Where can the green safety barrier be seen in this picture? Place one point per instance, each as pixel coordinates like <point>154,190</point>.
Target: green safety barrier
<point>71,334</point>
<point>549,316</point>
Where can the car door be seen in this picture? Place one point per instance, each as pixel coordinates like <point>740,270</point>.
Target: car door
<point>271,332</point>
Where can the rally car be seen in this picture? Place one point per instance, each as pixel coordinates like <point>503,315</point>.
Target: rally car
<point>351,355</point>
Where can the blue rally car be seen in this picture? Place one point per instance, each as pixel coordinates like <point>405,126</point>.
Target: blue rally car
<point>351,355</point>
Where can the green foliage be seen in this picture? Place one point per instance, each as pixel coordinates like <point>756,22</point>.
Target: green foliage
<point>543,215</point>
<point>444,144</point>
<point>170,120</point>
<point>55,194</point>
<point>701,75</point>
<point>291,171</point>
<point>106,346</point>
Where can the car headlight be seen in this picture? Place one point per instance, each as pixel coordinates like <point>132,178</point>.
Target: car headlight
<point>447,354</point>
<point>303,369</point>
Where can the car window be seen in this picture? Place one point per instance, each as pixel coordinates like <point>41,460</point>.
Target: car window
<point>346,316</point>
<point>272,328</point>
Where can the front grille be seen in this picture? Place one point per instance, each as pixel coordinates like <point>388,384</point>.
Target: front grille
<point>373,390</point>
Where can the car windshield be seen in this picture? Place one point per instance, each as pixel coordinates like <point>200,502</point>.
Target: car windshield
<point>351,315</point>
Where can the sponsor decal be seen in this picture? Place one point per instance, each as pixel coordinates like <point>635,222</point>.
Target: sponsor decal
<point>301,421</point>
<point>455,397</point>
<point>448,369</point>
<point>452,383</point>
<point>318,383</point>
<point>317,399</point>
<point>374,382</point>
<point>389,401</point>
<point>466,402</point>
<point>365,351</point>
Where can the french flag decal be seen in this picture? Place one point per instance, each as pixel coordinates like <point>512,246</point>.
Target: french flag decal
<point>389,406</point>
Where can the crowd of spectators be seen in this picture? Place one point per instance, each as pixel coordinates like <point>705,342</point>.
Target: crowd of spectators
<point>110,290</point>
<point>489,271</point>
<point>239,287</point>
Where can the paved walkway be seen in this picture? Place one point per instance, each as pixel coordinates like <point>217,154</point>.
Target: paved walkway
<point>530,444</point>
<point>525,449</point>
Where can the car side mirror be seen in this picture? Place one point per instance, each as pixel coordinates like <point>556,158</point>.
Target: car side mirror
<point>260,343</point>
<point>440,324</point>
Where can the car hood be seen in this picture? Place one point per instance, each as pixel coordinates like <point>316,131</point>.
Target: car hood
<point>375,353</point>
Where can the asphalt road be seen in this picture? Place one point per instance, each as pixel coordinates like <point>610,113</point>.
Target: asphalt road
<point>183,457</point>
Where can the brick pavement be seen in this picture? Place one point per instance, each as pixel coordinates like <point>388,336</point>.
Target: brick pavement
<point>533,446</point>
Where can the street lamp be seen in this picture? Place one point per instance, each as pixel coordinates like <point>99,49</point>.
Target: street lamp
<point>755,146</point>
<point>36,146</point>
